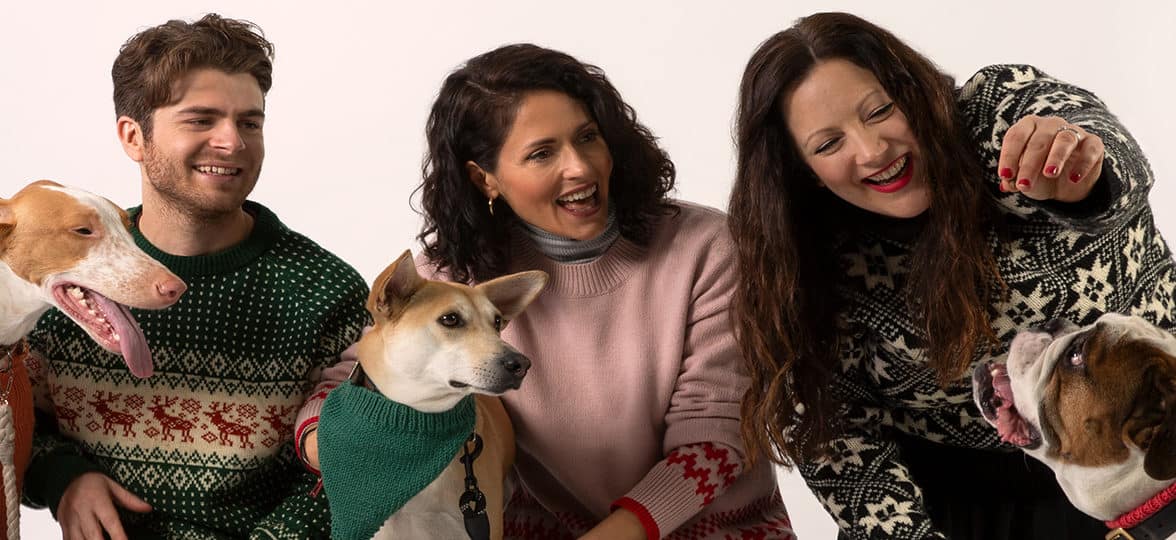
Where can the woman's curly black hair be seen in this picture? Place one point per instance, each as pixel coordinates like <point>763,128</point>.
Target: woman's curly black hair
<point>469,122</point>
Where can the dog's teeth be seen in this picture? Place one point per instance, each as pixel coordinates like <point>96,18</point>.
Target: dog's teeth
<point>76,293</point>
<point>116,338</point>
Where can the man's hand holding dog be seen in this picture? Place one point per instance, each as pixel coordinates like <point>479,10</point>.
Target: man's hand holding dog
<point>87,508</point>
<point>1048,158</point>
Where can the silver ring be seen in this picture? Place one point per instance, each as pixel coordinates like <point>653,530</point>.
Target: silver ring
<point>1077,135</point>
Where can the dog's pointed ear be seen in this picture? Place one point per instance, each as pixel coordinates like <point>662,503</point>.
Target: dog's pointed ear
<point>1152,423</point>
<point>511,294</point>
<point>394,286</point>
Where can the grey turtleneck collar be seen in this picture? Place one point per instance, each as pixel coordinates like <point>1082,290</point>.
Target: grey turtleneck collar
<point>570,251</point>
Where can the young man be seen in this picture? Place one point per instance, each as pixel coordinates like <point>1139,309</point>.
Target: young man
<point>202,448</point>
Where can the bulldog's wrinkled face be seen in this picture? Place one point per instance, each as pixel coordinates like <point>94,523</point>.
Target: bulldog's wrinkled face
<point>1096,404</point>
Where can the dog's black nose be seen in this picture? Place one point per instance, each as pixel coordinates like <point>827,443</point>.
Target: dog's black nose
<point>514,363</point>
<point>1052,326</point>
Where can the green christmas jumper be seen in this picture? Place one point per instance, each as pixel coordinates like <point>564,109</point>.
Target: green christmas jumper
<point>207,439</point>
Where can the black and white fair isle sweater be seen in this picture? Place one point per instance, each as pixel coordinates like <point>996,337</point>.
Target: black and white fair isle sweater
<point>1059,261</point>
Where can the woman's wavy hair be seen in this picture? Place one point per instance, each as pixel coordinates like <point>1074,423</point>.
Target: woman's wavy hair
<point>470,121</point>
<point>785,227</point>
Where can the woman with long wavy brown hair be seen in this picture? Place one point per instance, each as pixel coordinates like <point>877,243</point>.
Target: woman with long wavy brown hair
<point>892,230</point>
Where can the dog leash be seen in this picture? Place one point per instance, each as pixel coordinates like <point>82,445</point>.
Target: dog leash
<point>8,443</point>
<point>473,501</point>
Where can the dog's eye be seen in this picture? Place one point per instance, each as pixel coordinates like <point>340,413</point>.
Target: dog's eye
<point>1076,352</point>
<point>498,322</point>
<point>83,231</point>
<point>451,320</point>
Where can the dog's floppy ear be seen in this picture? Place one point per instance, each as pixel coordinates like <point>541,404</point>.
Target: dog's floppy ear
<point>7,221</point>
<point>1152,424</point>
<point>394,286</point>
<point>511,294</point>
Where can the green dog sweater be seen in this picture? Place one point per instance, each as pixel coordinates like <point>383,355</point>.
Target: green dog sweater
<point>376,454</point>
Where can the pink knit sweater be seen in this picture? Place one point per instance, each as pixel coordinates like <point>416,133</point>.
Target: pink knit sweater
<point>633,396</point>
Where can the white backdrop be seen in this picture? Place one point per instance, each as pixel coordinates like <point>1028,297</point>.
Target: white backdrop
<point>353,82</point>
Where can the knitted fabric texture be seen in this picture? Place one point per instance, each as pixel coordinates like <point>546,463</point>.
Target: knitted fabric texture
<point>207,439</point>
<point>570,251</point>
<point>1061,261</point>
<point>376,454</point>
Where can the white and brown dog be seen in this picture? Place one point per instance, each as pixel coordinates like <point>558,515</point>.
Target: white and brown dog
<point>67,248</point>
<point>1097,404</point>
<point>434,343</point>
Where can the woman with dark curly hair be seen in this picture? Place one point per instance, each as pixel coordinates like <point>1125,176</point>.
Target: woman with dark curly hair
<point>894,230</point>
<point>628,423</point>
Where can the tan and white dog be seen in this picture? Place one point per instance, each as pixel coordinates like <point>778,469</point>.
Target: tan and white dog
<point>1097,404</point>
<point>432,344</point>
<point>67,248</point>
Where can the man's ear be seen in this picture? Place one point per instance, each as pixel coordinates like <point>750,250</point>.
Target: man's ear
<point>130,134</point>
<point>486,182</point>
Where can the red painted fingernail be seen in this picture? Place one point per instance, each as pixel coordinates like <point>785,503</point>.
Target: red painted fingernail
<point>1024,182</point>
<point>1006,173</point>
<point>1075,177</point>
<point>1051,170</point>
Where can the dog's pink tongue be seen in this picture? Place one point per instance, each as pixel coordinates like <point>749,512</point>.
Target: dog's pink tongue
<point>1003,386</point>
<point>132,344</point>
<point>1009,423</point>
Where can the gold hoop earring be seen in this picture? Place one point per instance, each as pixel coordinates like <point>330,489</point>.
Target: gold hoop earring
<point>490,202</point>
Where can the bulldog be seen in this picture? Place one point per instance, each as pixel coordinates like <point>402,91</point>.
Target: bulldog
<point>1097,404</point>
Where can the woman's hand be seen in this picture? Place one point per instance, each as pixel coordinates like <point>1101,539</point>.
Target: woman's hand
<point>1047,158</point>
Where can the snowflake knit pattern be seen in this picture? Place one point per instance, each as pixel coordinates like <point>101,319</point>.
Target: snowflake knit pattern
<point>206,440</point>
<point>1072,262</point>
